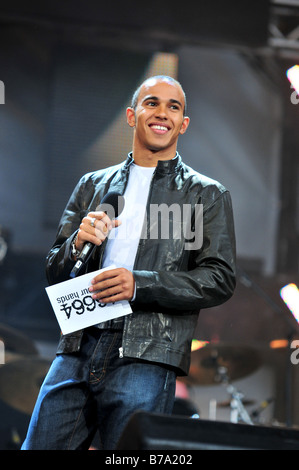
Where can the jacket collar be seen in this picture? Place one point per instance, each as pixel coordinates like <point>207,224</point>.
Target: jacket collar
<point>164,166</point>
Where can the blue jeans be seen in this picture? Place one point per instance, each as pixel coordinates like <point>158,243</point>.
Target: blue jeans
<point>96,390</point>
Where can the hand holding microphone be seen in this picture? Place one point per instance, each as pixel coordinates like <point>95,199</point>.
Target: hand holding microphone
<point>95,227</point>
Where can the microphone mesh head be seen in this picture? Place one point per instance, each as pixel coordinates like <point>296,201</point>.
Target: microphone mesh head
<point>113,204</point>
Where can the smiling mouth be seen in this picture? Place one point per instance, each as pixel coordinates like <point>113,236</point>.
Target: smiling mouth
<point>159,128</point>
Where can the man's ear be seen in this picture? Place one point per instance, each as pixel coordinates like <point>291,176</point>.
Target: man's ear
<point>131,117</point>
<point>185,125</point>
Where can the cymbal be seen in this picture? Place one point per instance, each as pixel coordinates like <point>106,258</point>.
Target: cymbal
<point>16,342</point>
<point>237,360</point>
<point>20,382</point>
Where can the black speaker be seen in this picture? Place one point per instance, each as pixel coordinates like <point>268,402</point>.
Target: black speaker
<point>149,431</point>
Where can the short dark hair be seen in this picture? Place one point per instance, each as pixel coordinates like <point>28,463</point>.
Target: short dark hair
<point>166,78</point>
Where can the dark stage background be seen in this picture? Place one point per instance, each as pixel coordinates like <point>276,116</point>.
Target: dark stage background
<point>69,70</point>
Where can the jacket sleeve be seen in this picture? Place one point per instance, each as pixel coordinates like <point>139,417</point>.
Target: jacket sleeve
<point>59,262</point>
<point>210,281</point>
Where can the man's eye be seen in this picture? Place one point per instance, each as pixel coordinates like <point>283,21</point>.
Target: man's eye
<point>151,103</point>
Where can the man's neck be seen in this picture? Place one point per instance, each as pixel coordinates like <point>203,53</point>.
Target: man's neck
<point>150,158</point>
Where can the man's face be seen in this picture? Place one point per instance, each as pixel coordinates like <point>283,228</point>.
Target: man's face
<point>159,116</point>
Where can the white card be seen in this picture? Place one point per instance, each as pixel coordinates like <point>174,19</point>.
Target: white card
<point>75,308</point>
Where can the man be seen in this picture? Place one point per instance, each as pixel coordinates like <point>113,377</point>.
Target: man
<point>103,374</point>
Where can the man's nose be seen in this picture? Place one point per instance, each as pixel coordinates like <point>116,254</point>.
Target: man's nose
<point>161,111</point>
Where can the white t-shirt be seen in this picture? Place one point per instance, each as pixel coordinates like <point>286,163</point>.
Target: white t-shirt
<point>122,244</point>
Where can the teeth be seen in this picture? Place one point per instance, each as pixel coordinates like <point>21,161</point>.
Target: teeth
<point>161,128</point>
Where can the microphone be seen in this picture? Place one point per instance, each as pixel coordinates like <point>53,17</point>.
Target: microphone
<point>113,204</point>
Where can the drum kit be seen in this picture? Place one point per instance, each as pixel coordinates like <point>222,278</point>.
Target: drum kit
<point>222,364</point>
<point>22,370</point>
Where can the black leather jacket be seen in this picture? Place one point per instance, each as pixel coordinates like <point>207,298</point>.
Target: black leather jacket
<point>172,283</point>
